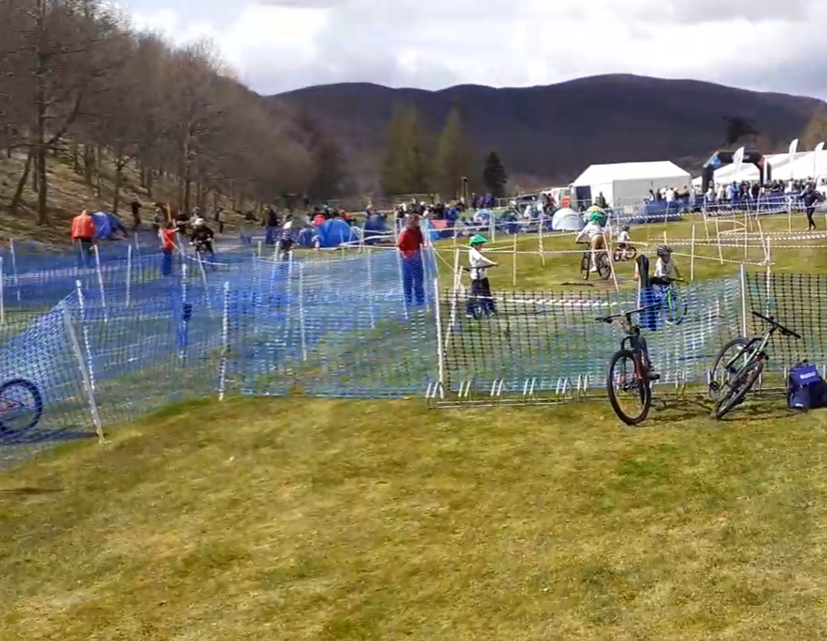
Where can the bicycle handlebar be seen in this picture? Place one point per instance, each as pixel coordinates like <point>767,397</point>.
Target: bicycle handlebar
<point>609,319</point>
<point>784,330</point>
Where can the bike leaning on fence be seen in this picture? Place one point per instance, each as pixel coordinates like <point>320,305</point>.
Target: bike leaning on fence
<point>21,406</point>
<point>629,372</point>
<point>739,364</point>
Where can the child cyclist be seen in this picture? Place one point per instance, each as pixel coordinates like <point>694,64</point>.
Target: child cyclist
<point>480,286</point>
<point>665,268</point>
<point>594,232</point>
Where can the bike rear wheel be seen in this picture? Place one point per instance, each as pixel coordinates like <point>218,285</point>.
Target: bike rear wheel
<point>630,253</point>
<point>624,383</point>
<point>604,267</point>
<point>585,265</point>
<point>720,376</point>
<point>21,406</point>
<point>674,307</point>
<point>738,388</point>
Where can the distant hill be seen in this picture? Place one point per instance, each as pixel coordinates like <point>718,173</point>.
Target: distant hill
<point>550,134</point>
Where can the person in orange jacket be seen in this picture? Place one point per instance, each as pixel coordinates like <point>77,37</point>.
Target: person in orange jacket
<point>83,235</point>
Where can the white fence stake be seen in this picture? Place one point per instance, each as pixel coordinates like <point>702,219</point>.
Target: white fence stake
<point>85,375</point>
<point>100,283</point>
<point>692,256</point>
<point>15,275</point>
<point>440,352</point>
<point>128,274</point>
<point>2,297</point>
<point>225,344</point>
<point>302,327</point>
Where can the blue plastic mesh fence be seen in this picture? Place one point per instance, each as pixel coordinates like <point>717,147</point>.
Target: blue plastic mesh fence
<point>355,326</point>
<point>132,336</point>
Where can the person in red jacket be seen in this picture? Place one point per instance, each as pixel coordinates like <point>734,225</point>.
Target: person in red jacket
<point>410,244</point>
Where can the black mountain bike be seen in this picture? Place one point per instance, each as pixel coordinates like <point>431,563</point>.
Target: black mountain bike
<point>627,252</point>
<point>739,364</point>
<point>604,267</point>
<point>629,373</point>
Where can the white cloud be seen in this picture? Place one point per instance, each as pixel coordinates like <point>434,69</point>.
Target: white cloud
<point>287,44</point>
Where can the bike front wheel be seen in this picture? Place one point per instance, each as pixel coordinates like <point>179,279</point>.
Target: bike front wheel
<point>738,388</point>
<point>625,383</point>
<point>21,406</point>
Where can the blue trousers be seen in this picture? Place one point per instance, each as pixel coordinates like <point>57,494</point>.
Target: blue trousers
<point>413,280</point>
<point>166,263</point>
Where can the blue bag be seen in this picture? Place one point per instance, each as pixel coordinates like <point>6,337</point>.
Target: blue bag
<point>806,389</point>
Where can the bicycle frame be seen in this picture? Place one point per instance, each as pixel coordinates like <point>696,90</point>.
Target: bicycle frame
<point>636,344</point>
<point>755,347</point>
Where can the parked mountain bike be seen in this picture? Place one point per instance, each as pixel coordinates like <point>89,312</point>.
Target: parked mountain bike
<point>629,373</point>
<point>21,406</point>
<point>479,306</point>
<point>739,364</point>
<point>604,267</point>
<point>672,303</point>
<point>620,254</point>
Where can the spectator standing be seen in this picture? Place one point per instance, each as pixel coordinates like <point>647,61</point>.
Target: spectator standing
<point>168,235</point>
<point>83,235</point>
<point>411,244</point>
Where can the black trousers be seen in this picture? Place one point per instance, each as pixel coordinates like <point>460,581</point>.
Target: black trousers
<point>811,224</point>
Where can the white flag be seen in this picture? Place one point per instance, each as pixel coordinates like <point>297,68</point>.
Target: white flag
<point>793,149</point>
<point>737,161</point>
<point>819,148</point>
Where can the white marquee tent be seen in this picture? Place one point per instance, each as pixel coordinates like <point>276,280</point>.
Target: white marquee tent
<point>749,172</point>
<point>806,165</point>
<point>629,182</point>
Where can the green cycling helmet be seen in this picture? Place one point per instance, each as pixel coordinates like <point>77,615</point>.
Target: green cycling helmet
<point>477,240</point>
<point>597,217</point>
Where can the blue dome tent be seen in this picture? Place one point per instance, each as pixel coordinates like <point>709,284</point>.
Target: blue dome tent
<point>335,232</point>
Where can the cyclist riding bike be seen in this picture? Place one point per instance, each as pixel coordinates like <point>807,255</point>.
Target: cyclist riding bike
<point>623,238</point>
<point>595,233</point>
<point>665,268</point>
<point>480,285</point>
<point>202,237</point>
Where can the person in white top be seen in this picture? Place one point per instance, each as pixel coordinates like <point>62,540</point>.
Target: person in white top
<point>623,238</point>
<point>480,285</point>
<point>594,232</point>
<point>665,268</point>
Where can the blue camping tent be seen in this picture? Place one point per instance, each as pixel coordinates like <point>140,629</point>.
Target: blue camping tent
<point>335,232</point>
<point>375,229</point>
<point>106,225</point>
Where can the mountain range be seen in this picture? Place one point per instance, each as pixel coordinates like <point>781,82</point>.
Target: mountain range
<point>549,134</point>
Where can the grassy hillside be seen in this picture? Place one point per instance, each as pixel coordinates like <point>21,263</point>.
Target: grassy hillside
<point>552,133</point>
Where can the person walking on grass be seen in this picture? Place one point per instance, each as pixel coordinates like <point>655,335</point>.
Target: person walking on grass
<point>411,244</point>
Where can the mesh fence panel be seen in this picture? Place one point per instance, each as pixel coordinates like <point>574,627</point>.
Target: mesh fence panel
<point>546,337</point>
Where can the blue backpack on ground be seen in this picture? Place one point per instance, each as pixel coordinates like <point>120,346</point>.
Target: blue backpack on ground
<point>806,389</point>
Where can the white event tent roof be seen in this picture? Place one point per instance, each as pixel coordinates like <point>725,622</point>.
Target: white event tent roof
<point>779,164</point>
<point>599,174</point>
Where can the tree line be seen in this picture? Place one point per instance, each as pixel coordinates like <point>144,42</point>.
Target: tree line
<point>416,162</point>
<point>76,78</point>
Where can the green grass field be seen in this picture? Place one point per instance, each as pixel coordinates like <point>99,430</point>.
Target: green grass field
<point>312,519</point>
<point>385,520</point>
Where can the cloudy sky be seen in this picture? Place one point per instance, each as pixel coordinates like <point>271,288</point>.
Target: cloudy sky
<point>279,45</point>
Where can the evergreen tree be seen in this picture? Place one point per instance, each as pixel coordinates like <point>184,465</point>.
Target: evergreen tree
<point>329,178</point>
<point>493,175</point>
<point>454,156</point>
<point>406,166</point>
<point>816,130</point>
<point>738,128</point>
